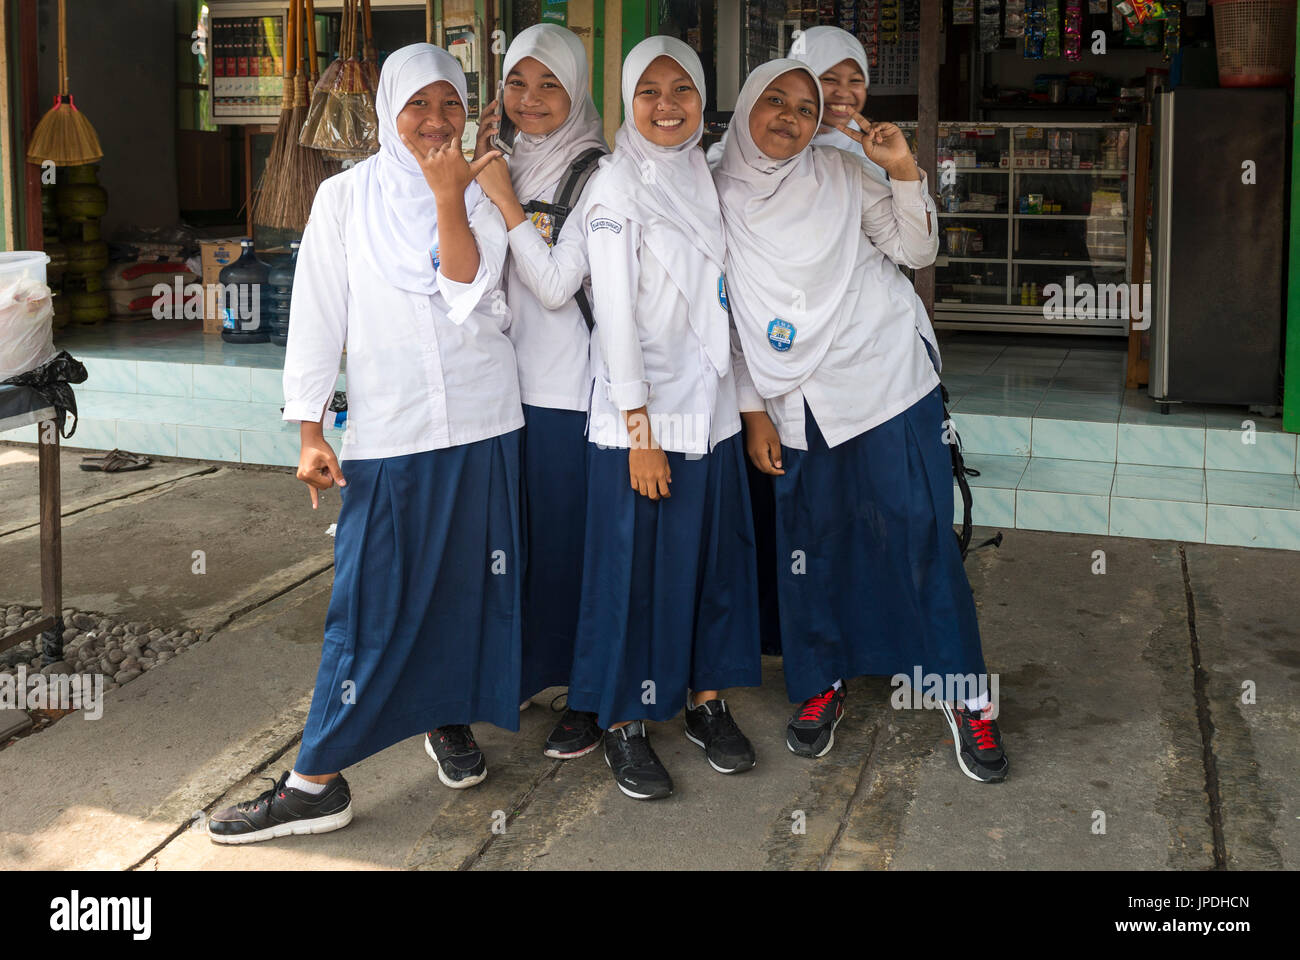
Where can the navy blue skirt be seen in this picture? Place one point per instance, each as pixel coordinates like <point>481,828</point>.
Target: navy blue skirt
<point>669,588</point>
<point>423,622</point>
<point>868,569</point>
<point>555,505</point>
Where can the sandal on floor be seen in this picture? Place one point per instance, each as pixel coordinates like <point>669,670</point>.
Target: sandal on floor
<point>116,461</point>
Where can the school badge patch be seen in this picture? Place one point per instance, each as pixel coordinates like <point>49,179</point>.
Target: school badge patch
<point>604,223</point>
<point>780,334</point>
<point>434,255</point>
<point>722,291</point>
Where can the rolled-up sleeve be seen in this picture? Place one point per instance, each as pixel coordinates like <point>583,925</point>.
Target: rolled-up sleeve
<point>747,395</point>
<point>489,230</point>
<point>553,274</point>
<point>318,313</point>
<point>615,274</point>
<point>900,219</point>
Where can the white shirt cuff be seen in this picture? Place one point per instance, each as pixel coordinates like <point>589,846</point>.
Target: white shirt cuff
<point>749,399</point>
<point>462,298</point>
<point>305,411</point>
<point>911,191</point>
<point>631,395</point>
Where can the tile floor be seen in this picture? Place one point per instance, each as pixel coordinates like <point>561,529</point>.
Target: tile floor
<point>163,387</point>
<point>1059,443</point>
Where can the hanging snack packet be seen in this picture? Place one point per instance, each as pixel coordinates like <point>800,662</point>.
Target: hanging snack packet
<point>990,25</point>
<point>1052,29</point>
<point>1073,29</point>
<point>1014,25</point>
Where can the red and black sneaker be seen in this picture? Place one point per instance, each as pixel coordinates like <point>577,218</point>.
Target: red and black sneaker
<point>575,735</point>
<point>811,731</point>
<point>460,762</point>
<point>978,742</point>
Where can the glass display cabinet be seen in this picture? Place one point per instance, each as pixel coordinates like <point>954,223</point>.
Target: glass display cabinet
<point>1023,207</point>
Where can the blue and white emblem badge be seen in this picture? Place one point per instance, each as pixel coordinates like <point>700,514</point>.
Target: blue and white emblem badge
<point>780,334</point>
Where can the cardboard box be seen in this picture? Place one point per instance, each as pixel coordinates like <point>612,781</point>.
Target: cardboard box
<point>216,255</point>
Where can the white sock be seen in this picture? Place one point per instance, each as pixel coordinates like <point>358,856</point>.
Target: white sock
<point>306,786</point>
<point>837,684</point>
<point>978,704</point>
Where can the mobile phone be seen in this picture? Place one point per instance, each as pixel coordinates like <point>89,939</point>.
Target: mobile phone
<point>504,138</point>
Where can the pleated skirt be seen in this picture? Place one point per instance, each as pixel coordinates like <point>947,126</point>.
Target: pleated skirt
<point>869,574</point>
<point>555,503</point>
<point>423,625</point>
<point>669,588</point>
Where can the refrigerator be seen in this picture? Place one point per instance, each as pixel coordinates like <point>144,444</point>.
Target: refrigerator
<point>1217,243</point>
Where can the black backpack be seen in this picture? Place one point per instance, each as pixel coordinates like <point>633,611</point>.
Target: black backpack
<point>566,197</point>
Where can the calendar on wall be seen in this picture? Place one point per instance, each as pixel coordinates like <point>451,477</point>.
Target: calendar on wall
<point>895,72</point>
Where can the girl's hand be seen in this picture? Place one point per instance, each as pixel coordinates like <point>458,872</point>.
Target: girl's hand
<point>317,465</point>
<point>884,143</point>
<point>445,169</point>
<point>762,442</point>
<point>649,473</point>
<point>495,181</point>
<point>489,122</point>
<point>647,464</point>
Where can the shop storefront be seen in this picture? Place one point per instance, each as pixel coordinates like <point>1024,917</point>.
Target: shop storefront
<point>1045,162</point>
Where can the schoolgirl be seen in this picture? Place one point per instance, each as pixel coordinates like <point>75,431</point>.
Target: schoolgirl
<point>846,414</point>
<point>668,595</point>
<point>546,98</point>
<point>422,630</point>
<point>838,59</point>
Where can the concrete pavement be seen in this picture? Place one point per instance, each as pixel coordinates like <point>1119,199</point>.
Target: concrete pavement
<point>1111,686</point>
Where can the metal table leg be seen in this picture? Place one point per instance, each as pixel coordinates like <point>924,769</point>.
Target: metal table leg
<point>51,542</point>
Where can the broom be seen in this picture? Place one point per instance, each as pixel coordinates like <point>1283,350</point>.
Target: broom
<point>342,121</point>
<point>291,185</point>
<point>64,135</point>
<point>369,55</point>
<point>263,211</point>
<point>307,168</point>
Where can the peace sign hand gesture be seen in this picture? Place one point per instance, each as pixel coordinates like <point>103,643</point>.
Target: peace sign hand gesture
<point>445,169</point>
<point>884,143</point>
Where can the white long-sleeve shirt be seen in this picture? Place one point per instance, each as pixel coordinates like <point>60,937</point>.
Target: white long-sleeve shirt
<point>645,352</point>
<point>552,342</point>
<point>877,365</point>
<point>417,380</point>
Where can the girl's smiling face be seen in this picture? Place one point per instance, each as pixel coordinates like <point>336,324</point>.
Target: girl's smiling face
<point>845,90</point>
<point>785,117</point>
<point>666,107</point>
<point>534,98</point>
<point>433,117</point>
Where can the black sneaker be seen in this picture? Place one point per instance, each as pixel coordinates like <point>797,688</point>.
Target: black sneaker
<point>283,811</point>
<point>460,761</point>
<point>575,735</point>
<point>978,742</point>
<point>637,770</point>
<point>811,731</point>
<point>711,726</point>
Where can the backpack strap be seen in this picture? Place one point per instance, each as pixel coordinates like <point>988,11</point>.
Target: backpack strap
<point>569,190</point>
<point>566,196</point>
<point>960,471</point>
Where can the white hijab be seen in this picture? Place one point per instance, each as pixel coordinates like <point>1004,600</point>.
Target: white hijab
<point>538,163</point>
<point>793,234</point>
<point>389,189</point>
<point>668,192</point>
<point>822,48</point>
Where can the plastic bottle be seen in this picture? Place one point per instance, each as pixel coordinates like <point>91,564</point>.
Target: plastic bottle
<point>280,284</point>
<point>242,285</point>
